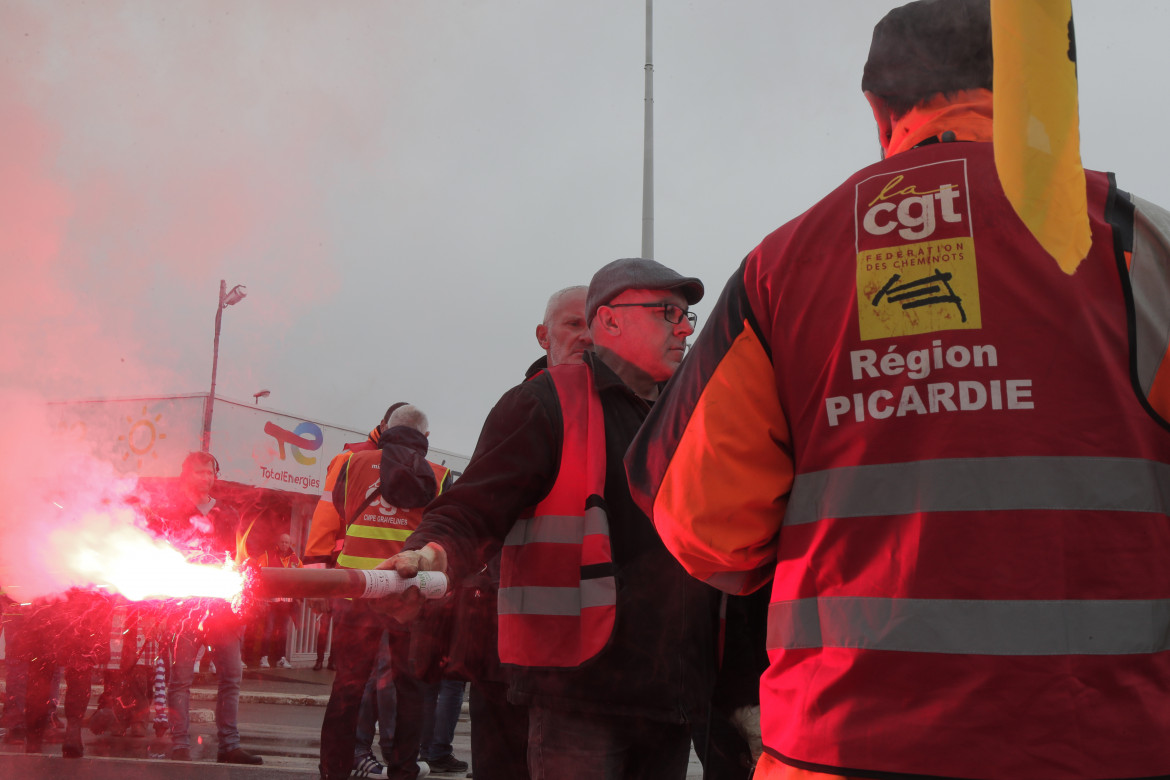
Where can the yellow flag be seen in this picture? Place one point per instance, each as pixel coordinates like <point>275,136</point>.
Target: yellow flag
<point>1036,130</point>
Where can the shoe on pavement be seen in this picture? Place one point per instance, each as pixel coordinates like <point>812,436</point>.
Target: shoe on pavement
<point>447,763</point>
<point>368,766</point>
<point>238,756</point>
<point>101,721</point>
<point>264,662</point>
<point>73,747</point>
<point>424,769</point>
<point>318,666</point>
<point>181,754</point>
<point>283,663</point>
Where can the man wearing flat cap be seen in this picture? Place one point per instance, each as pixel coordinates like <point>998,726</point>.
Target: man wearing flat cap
<point>946,452</point>
<point>611,643</point>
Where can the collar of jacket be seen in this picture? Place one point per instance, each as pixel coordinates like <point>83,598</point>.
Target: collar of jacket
<point>966,113</point>
<point>369,443</point>
<point>540,365</point>
<point>607,379</point>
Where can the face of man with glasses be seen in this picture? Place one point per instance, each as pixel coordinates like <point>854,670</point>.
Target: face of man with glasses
<point>654,327</point>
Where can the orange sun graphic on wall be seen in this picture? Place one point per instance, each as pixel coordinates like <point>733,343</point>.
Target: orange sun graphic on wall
<point>141,437</point>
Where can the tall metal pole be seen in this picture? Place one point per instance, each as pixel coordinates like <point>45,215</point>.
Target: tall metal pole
<point>648,149</point>
<point>206,438</point>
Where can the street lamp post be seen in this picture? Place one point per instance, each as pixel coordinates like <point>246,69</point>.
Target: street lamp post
<point>226,298</point>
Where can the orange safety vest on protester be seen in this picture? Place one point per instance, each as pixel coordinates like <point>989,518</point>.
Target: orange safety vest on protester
<point>266,558</point>
<point>380,529</point>
<point>905,657</point>
<point>325,529</point>
<point>558,595</point>
<point>970,574</point>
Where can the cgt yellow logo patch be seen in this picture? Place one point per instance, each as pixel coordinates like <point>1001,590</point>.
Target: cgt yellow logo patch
<point>916,270</point>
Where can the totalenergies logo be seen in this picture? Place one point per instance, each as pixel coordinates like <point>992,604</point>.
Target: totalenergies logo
<point>306,436</point>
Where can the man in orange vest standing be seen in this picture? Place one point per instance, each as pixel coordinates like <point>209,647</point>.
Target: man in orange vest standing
<point>326,532</point>
<point>281,610</point>
<point>610,644</point>
<point>944,447</point>
<point>379,495</point>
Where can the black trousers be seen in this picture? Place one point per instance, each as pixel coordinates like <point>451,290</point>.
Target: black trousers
<point>357,632</point>
<point>499,733</point>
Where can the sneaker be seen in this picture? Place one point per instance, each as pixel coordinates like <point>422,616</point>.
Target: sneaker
<point>102,721</point>
<point>447,763</point>
<point>264,662</point>
<point>424,769</point>
<point>73,747</point>
<point>180,754</point>
<point>283,663</point>
<point>368,766</point>
<point>238,756</point>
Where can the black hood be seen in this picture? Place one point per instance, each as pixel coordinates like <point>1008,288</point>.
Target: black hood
<point>406,477</point>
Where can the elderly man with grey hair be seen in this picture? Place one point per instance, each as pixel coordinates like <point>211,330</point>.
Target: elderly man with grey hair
<point>612,645</point>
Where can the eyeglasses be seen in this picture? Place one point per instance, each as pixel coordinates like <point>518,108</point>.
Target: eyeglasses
<point>670,312</point>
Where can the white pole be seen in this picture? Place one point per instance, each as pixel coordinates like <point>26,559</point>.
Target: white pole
<point>648,148</point>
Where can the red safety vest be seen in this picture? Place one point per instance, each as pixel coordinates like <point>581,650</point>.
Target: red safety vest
<point>972,574</point>
<point>558,595</point>
<point>380,529</point>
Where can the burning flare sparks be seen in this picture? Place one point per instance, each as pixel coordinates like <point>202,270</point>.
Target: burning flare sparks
<point>106,549</point>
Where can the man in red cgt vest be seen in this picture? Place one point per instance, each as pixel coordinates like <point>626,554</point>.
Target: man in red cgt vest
<point>945,451</point>
<point>610,644</point>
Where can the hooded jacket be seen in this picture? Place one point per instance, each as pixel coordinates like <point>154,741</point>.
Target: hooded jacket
<point>403,481</point>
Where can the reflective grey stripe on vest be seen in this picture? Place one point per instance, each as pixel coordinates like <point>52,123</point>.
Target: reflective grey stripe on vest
<point>965,627</point>
<point>558,529</point>
<point>534,600</point>
<point>1149,273</point>
<point>987,484</point>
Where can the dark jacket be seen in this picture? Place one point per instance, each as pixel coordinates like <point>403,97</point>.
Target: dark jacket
<point>405,478</point>
<point>176,518</point>
<point>660,661</point>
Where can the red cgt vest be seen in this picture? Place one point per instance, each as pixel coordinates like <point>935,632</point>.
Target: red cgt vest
<point>972,574</point>
<point>380,529</point>
<point>558,595</point>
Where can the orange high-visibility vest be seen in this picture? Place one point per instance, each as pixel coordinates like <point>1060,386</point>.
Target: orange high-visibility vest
<point>558,594</point>
<point>380,529</point>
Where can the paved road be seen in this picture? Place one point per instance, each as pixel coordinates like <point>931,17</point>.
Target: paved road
<point>286,735</point>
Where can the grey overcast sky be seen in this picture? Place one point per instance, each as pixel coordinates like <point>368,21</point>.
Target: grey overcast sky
<point>400,184</point>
